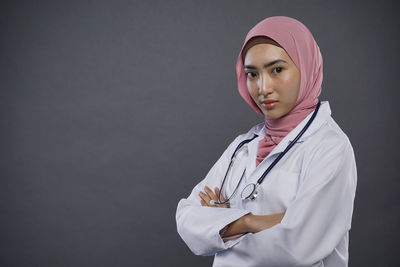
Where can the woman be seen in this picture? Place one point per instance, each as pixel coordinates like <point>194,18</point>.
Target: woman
<point>301,214</point>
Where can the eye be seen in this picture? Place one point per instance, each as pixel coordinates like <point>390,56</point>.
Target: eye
<point>277,70</point>
<point>251,74</point>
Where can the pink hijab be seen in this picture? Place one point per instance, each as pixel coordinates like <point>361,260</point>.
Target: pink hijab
<point>301,47</point>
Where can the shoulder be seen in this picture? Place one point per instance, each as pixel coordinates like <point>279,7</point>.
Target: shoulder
<point>328,155</point>
<point>330,139</point>
<point>333,134</point>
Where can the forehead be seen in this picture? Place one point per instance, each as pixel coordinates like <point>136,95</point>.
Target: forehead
<point>255,41</point>
<point>265,52</point>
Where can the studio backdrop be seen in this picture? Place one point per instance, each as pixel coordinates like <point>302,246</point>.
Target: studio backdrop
<point>111,112</point>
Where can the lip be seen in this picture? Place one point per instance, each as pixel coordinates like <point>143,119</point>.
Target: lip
<point>269,103</point>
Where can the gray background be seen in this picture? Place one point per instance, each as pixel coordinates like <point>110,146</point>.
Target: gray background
<point>111,111</point>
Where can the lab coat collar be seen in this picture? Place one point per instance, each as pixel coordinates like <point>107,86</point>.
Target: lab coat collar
<point>323,115</point>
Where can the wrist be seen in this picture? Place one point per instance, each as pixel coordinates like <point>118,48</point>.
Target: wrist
<point>248,222</point>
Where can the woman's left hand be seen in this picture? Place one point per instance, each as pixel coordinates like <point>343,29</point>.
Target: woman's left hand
<point>209,195</point>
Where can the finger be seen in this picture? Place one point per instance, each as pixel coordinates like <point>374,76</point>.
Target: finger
<point>210,194</point>
<point>208,191</point>
<point>205,198</point>
<point>223,200</point>
<point>216,189</point>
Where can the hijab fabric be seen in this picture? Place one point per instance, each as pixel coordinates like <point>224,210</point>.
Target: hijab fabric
<point>301,47</point>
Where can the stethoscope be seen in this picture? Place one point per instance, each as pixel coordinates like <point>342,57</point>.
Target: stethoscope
<point>250,192</point>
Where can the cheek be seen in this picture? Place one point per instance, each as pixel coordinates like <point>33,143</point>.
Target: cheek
<point>294,87</point>
<point>252,89</point>
<point>291,85</point>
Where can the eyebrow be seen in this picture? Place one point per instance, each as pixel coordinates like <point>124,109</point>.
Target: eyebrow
<point>266,65</point>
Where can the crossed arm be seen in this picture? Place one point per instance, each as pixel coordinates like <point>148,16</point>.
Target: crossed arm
<point>245,224</point>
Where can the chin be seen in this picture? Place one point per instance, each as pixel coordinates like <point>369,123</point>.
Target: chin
<point>272,115</point>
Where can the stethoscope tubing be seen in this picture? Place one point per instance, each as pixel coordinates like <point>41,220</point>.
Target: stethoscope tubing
<point>261,179</point>
<point>291,144</point>
<point>229,167</point>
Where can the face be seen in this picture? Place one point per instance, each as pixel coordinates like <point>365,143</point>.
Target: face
<point>273,79</point>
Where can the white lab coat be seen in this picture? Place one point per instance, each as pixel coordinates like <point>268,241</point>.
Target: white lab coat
<point>314,184</point>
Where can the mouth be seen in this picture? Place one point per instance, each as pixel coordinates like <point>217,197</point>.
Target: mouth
<point>269,103</point>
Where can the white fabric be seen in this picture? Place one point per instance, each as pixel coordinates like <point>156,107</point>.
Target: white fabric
<point>314,184</point>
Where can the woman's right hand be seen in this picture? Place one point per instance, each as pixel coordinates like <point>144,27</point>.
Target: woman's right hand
<point>209,195</point>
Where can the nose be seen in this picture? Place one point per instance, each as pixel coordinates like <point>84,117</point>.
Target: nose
<point>264,85</point>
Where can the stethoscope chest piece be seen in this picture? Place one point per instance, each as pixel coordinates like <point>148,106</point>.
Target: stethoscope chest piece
<point>249,192</point>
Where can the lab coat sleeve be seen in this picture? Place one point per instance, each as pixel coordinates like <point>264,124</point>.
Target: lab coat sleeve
<point>199,226</point>
<point>316,220</point>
